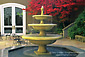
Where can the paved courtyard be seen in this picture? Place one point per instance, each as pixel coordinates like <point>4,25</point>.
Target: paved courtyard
<point>65,41</point>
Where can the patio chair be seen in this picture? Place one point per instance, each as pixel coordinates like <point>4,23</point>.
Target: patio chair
<point>8,36</point>
<point>16,39</point>
<point>1,36</point>
<point>25,42</point>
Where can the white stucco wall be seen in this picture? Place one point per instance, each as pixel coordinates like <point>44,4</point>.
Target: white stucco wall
<point>0,18</point>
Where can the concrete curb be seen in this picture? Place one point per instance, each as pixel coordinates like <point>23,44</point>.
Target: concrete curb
<point>81,53</point>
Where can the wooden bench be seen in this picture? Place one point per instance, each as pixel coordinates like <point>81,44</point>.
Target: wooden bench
<point>80,38</point>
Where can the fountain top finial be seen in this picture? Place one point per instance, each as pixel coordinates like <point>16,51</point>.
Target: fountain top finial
<point>42,8</point>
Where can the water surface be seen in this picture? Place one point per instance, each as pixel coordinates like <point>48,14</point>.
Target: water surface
<point>29,52</point>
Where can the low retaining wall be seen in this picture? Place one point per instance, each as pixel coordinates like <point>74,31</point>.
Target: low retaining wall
<point>80,38</point>
<point>81,53</point>
<point>65,30</point>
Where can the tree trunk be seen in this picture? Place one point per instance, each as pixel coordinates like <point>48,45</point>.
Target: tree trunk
<point>63,25</point>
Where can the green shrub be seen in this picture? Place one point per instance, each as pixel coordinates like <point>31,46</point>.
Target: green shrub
<point>72,32</point>
<point>57,30</point>
<point>79,26</point>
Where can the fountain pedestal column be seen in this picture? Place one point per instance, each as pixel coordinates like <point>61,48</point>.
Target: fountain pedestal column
<point>42,50</point>
<point>42,33</point>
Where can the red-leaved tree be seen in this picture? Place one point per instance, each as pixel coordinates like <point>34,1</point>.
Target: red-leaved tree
<point>60,8</point>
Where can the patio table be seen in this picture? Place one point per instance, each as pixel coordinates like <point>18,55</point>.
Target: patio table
<point>17,39</point>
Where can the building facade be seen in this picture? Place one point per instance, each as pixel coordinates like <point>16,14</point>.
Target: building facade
<point>12,18</point>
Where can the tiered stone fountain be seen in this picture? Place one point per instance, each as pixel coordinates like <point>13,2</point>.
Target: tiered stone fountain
<point>42,39</point>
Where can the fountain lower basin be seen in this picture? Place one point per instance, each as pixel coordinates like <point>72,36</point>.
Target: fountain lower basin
<point>42,41</point>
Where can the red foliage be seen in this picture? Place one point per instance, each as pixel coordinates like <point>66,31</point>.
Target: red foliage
<point>75,9</point>
<point>53,7</point>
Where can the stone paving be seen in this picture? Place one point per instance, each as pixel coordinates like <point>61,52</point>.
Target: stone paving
<point>68,42</point>
<point>65,41</point>
<point>5,43</point>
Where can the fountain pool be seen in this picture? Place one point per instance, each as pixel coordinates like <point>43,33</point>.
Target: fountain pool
<point>28,52</point>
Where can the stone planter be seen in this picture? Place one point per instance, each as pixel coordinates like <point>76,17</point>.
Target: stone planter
<point>80,38</point>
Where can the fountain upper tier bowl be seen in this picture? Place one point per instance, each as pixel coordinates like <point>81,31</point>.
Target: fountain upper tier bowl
<point>42,26</point>
<point>41,17</point>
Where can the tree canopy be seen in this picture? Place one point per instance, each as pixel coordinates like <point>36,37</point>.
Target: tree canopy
<point>53,7</point>
<point>59,8</point>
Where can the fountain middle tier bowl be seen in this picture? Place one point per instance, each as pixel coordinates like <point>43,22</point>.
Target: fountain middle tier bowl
<point>41,17</point>
<point>42,40</point>
<point>42,26</point>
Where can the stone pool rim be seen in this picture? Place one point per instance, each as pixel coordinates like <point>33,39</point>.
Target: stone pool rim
<point>80,52</point>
